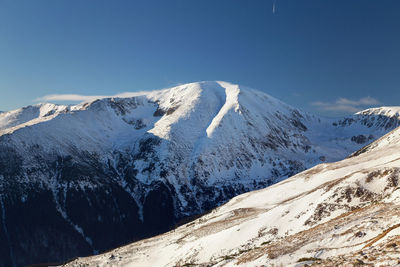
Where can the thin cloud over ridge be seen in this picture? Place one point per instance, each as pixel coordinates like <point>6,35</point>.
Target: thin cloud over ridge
<point>82,98</point>
<point>346,105</point>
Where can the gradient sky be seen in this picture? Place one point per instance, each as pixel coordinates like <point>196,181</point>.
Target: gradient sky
<point>328,57</point>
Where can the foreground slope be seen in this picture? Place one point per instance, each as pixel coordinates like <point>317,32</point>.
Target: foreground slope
<point>78,180</point>
<point>339,213</point>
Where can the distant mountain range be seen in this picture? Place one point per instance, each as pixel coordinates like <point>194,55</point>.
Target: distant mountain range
<point>78,180</point>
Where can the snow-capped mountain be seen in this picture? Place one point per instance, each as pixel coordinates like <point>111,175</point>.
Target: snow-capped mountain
<point>338,214</point>
<point>87,178</point>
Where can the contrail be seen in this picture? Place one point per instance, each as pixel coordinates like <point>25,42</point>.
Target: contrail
<point>274,7</point>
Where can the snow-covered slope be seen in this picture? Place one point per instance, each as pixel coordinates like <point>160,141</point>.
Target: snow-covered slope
<point>346,212</point>
<point>35,113</point>
<point>116,170</point>
<point>385,118</point>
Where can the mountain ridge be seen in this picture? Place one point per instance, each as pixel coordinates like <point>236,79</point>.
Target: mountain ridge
<point>344,212</point>
<point>116,170</point>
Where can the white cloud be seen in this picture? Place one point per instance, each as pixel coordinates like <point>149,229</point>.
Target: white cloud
<point>68,97</point>
<point>346,105</point>
<point>81,98</point>
<point>362,101</point>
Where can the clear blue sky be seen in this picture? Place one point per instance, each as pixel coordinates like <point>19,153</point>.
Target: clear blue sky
<point>309,53</point>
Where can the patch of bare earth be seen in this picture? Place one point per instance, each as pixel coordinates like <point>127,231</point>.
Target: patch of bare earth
<point>359,217</point>
<point>384,254</point>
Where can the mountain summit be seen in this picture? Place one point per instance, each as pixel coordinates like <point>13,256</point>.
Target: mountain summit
<point>77,180</point>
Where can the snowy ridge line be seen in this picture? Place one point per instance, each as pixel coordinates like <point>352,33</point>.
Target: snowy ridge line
<point>231,102</point>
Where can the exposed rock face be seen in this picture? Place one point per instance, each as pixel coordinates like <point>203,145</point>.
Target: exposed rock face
<point>362,139</point>
<point>84,179</point>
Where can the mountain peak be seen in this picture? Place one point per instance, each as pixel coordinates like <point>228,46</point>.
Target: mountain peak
<point>25,115</point>
<point>171,153</point>
<point>389,111</point>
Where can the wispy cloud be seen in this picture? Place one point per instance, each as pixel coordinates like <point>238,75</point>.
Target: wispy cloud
<point>81,98</point>
<point>68,97</point>
<point>346,105</point>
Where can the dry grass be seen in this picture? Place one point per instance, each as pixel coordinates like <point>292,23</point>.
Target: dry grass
<point>384,254</point>
<point>293,242</point>
<point>382,235</point>
<point>238,217</point>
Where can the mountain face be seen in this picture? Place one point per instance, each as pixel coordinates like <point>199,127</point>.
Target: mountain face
<point>338,214</point>
<point>78,180</point>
